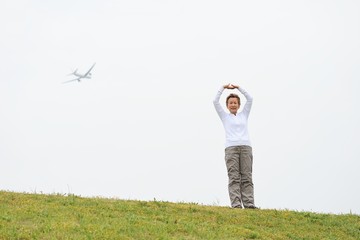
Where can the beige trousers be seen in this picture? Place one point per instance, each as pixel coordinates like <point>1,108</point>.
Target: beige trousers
<point>239,161</point>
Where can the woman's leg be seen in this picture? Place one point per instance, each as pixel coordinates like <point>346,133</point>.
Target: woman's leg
<point>247,186</point>
<point>232,158</point>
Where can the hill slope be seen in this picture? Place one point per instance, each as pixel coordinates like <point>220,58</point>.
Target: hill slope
<point>37,216</point>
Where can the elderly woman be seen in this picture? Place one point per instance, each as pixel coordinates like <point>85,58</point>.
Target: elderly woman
<point>238,150</point>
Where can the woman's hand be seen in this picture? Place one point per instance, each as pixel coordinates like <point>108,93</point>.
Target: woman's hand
<point>230,86</point>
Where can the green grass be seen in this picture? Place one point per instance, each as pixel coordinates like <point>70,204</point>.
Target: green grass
<point>39,216</point>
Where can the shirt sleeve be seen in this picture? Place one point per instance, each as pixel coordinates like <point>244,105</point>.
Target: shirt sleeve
<point>220,111</point>
<point>249,101</point>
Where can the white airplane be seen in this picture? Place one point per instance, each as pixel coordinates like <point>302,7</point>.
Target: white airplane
<point>80,76</point>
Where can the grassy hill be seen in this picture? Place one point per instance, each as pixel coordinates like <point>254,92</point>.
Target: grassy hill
<point>38,216</point>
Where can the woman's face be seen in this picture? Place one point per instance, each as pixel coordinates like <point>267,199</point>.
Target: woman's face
<point>233,105</point>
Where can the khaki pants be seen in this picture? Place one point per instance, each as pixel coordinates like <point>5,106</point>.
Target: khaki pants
<point>239,161</point>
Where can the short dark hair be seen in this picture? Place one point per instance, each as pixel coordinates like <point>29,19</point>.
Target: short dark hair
<point>232,95</point>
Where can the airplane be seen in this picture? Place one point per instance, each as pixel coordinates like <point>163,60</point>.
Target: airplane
<point>81,76</point>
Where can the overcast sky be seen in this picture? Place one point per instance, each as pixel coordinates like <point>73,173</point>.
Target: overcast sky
<point>144,126</point>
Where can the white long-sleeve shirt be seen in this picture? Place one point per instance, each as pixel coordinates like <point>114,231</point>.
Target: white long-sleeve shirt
<point>236,126</point>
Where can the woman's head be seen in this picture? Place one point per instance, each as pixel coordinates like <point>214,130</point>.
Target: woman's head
<point>233,103</point>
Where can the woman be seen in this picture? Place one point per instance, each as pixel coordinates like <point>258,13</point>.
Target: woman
<point>238,151</point>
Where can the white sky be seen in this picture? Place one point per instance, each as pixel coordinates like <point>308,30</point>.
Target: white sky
<point>144,126</point>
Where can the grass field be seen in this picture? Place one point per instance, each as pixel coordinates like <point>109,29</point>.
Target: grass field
<point>39,216</point>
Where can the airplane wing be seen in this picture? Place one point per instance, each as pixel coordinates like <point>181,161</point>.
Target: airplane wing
<point>76,79</point>
<point>89,70</point>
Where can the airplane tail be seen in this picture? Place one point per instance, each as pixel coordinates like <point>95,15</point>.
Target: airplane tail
<point>73,73</point>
